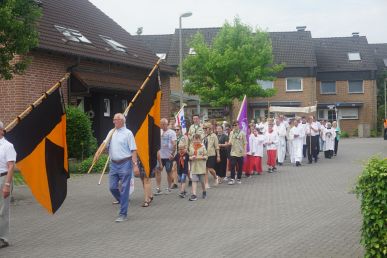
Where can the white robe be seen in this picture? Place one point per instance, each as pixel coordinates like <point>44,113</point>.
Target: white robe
<point>290,145</point>
<point>329,138</point>
<point>256,145</point>
<point>281,151</point>
<point>298,142</point>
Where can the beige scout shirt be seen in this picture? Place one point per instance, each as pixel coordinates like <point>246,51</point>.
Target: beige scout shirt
<point>212,144</point>
<point>238,143</point>
<point>195,129</point>
<point>198,166</point>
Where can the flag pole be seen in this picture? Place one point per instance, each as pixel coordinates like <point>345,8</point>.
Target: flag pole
<point>103,171</point>
<point>22,115</point>
<point>103,145</point>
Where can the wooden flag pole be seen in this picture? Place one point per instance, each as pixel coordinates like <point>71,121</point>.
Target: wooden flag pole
<point>103,145</point>
<point>103,171</point>
<point>36,103</point>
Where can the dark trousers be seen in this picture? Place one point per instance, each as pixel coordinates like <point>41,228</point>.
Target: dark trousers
<point>317,143</point>
<point>312,147</point>
<point>221,166</point>
<point>385,133</point>
<point>336,145</point>
<point>328,154</point>
<point>236,162</point>
<point>304,149</point>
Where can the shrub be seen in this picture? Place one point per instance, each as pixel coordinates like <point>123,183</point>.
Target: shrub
<point>355,132</point>
<point>371,188</point>
<point>374,133</point>
<point>344,134</point>
<point>98,167</point>
<point>80,140</point>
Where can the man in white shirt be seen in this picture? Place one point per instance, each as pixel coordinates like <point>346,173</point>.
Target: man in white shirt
<point>7,164</point>
<point>298,133</point>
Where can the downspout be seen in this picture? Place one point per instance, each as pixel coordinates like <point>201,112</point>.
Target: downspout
<point>70,69</point>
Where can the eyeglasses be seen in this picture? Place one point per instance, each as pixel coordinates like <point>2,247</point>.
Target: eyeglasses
<point>177,129</point>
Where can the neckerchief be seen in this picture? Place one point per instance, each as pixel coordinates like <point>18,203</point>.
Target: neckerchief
<point>181,160</point>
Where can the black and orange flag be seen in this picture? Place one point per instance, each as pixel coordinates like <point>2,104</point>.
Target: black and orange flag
<point>40,143</point>
<point>143,120</point>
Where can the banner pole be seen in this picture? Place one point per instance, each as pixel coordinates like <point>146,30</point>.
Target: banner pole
<point>23,114</point>
<point>103,145</point>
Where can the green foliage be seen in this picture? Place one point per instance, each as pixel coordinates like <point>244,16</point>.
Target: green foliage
<point>230,67</point>
<point>344,134</point>
<point>355,132</point>
<point>80,140</point>
<point>98,167</point>
<point>18,34</point>
<point>374,133</point>
<point>371,188</point>
<point>380,119</point>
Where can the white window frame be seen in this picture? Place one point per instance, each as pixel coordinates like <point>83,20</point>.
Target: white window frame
<point>72,34</point>
<point>327,93</point>
<point>106,112</point>
<point>356,92</point>
<point>114,44</point>
<point>354,56</point>
<point>348,116</point>
<point>301,80</point>
<point>265,84</point>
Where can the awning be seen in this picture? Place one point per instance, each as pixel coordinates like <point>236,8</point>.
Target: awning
<point>306,110</point>
<point>265,104</point>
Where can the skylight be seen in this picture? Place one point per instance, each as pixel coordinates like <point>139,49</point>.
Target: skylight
<point>114,44</point>
<point>354,56</point>
<point>72,35</point>
<point>162,56</point>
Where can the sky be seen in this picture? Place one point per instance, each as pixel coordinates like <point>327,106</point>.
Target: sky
<point>324,18</point>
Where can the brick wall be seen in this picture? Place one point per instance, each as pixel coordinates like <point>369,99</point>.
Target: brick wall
<point>307,96</point>
<point>367,113</point>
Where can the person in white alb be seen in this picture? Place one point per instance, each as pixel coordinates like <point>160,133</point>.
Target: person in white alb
<point>271,142</point>
<point>281,150</point>
<point>7,164</point>
<point>298,134</point>
<point>328,136</point>
<point>256,141</point>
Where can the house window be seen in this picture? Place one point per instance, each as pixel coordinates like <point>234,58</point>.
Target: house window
<point>162,56</point>
<point>106,107</point>
<point>215,112</point>
<point>114,44</point>
<point>354,56</point>
<point>192,51</point>
<point>72,35</point>
<point>322,114</point>
<point>327,114</point>
<point>349,113</point>
<point>258,113</point>
<point>293,84</point>
<point>385,62</point>
<point>355,87</point>
<point>266,84</point>
<point>328,87</point>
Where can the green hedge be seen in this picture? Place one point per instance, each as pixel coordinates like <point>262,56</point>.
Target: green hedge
<point>371,189</point>
<point>85,165</point>
<point>344,134</point>
<point>80,140</point>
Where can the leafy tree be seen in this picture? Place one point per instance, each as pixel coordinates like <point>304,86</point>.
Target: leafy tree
<point>18,34</point>
<point>230,67</point>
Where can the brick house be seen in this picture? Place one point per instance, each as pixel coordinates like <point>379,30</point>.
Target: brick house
<point>346,78</point>
<point>106,63</point>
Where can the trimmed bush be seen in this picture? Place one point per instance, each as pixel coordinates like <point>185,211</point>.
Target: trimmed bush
<point>344,134</point>
<point>80,140</point>
<point>85,165</point>
<point>371,189</point>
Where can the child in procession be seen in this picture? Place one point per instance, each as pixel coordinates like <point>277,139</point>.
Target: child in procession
<point>182,165</point>
<point>198,158</point>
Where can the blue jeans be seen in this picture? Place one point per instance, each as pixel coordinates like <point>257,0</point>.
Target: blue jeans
<point>121,172</point>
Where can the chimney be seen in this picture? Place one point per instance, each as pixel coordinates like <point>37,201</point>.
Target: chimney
<point>300,28</point>
<point>355,34</point>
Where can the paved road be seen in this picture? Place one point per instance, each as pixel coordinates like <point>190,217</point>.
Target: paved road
<point>297,212</point>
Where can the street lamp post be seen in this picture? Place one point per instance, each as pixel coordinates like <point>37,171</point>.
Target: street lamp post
<point>187,14</point>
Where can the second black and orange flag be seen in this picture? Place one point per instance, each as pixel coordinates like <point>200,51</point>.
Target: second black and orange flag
<point>143,120</point>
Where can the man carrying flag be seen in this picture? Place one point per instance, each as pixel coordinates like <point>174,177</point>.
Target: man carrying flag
<point>7,164</point>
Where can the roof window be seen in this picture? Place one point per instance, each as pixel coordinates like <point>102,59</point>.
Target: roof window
<point>72,35</point>
<point>162,56</point>
<point>114,44</point>
<point>354,56</point>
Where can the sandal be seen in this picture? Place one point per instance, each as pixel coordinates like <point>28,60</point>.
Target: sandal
<point>150,199</point>
<point>145,204</point>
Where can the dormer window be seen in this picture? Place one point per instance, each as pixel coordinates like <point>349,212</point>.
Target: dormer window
<point>72,35</point>
<point>354,56</point>
<point>192,51</point>
<point>114,44</point>
<point>162,56</point>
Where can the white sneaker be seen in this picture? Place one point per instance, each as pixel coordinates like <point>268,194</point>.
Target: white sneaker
<point>231,182</point>
<point>225,179</point>
<point>239,181</point>
<point>121,218</point>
